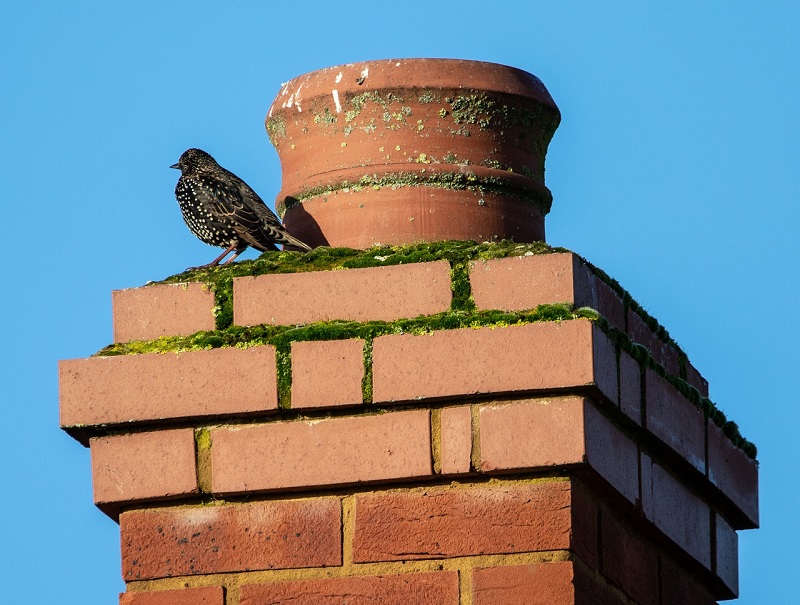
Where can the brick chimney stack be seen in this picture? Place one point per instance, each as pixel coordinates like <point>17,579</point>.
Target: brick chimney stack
<point>448,423</point>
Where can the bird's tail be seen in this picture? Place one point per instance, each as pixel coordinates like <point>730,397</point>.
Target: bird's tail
<point>287,239</point>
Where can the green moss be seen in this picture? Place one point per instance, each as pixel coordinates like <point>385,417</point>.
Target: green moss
<point>283,360</point>
<point>366,381</point>
<point>458,181</point>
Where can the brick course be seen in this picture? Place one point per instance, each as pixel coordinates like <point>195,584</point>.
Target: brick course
<point>535,584</point>
<point>735,473</point>
<point>544,433</point>
<point>440,522</point>
<point>378,293</point>
<point>470,361</point>
<point>207,595</point>
<point>321,452</point>
<point>151,312</point>
<point>431,588</point>
<point>524,282</point>
<point>675,420</point>
<point>135,388</point>
<point>677,512</point>
<point>190,540</point>
<point>143,466</point>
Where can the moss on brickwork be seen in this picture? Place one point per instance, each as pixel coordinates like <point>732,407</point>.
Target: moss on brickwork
<point>462,313</point>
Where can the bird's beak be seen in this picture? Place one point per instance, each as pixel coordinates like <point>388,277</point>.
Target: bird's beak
<point>175,166</point>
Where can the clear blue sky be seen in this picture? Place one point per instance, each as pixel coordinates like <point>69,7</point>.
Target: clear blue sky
<point>674,169</point>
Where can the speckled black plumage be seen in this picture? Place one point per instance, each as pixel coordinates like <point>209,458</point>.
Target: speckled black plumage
<point>222,210</point>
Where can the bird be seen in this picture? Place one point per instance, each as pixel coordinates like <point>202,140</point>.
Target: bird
<point>222,210</point>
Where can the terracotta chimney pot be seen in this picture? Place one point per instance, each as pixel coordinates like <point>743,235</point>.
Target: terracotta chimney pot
<point>406,150</point>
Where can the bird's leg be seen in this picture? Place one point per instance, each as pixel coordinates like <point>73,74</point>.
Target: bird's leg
<point>217,260</point>
<point>232,258</point>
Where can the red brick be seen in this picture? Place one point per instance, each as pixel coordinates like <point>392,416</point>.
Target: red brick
<point>428,588</point>
<point>451,522</point>
<point>694,378</point>
<point>675,420</point>
<point>378,293</point>
<point>143,466</point>
<point>532,433</point>
<point>456,431</point>
<point>191,540</point>
<point>327,373</point>
<point>525,282</point>
<point>629,562</point>
<point>677,512</point>
<point>468,361</point>
<point>585,529</point>
<point>606,302</point>
<point>130,388</point>
<point>534,584</point>
<point>726,563</point>
<point>207,595</point>
<point>663,353</point>
<point>543,433</point>
<point>680,588</point>
<point>630,387</point>
<point>735,474</point>
<point>333,451</point>
<point>162,310</point>
<point>611,453</point>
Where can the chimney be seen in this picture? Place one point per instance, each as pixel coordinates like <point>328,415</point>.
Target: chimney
<point>408,416</point>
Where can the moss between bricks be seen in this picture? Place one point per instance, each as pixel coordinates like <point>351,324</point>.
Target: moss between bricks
<point>461,315</point>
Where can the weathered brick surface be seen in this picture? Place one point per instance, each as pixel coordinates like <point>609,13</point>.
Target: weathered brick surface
<point>524,282</point>
<point>207,595</point>
<point>663,353</point>
<point>162,310</point>
<point>379,293</point>
<point>129,388</point>
<point>532,433</point>
<point>680,588</point>
<point>629,562</point>
<point>694,378</point>
<point>327,373</point>
<point>540,433</point>
<point>456,435</point>
<point>676,511</point>
<point>611,453</point>
<point>585,525</point>
<point>605,301</point>
<point>447,522</point>
<point>534,584</point>
<point>547,355</point>
<point>189,540</point>
<point>735,473</point>
<point>430,588</point>
<point>141,466</point>
<point>630,387</point>
<point>726,564</point>
<point>321,452</point>
<point>675,420</point>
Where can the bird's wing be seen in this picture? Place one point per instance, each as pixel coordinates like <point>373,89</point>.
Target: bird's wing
<point>227,201</point>
<point>270,225</point>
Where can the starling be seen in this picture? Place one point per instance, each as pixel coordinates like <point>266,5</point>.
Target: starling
<point>222,210</point>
